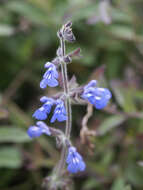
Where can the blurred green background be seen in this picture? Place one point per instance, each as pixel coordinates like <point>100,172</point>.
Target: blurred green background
<point>110,34</point>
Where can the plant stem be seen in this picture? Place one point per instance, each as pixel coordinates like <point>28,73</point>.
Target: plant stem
<point>68,108</point>
<point>66,91</point>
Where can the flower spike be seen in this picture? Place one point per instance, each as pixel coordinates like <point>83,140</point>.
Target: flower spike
<point>97,96</point>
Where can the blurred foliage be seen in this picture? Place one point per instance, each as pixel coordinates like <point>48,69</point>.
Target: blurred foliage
<point>110,34</point>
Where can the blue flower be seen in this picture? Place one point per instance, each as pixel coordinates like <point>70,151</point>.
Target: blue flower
<point>102,97</point>
<point>50,76</point>
<point>41,113</point>
<point>92,83</point>
<point>45,129</point>
<point>59,112</point>
<point>89,95</point>
<point>36,131</point>
<point>99,97</point>
<point>44,99</point>
<point>74,161</point>
<point>48,103</point>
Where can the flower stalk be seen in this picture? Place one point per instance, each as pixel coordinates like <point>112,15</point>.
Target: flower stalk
<point>98,97</point>
<point>67,105</point>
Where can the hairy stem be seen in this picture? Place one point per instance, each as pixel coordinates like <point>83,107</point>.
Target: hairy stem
<point>68,108</point>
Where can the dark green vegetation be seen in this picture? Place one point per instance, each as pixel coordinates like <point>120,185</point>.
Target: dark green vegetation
<point>112,54</point>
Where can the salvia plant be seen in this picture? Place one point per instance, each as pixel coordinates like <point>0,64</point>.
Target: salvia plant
<point>61,102</point>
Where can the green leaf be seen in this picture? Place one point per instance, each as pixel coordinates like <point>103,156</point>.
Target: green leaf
<point>6,30</point>
<point>117,90</point>
<point>118,184</point>
<point>110,123</point>
<point>10,157</point>
<point>13,134</point>
<point>107,158</point>
<point>124,96</point>
<point>33,13</point>
<point>120,16</point>
<point>124,32</point>
<point>128,187</point>
<point>134,174</point>
<point>91,183</point>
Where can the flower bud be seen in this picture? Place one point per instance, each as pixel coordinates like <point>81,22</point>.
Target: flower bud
<point>67,59</point>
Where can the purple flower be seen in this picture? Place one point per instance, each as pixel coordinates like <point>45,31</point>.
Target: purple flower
<point>36,131</point>
<point>59,112</point>
<point>74,161</point>
<point>99,97</point>
<point>50,76</point>
<point>41,113</point>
